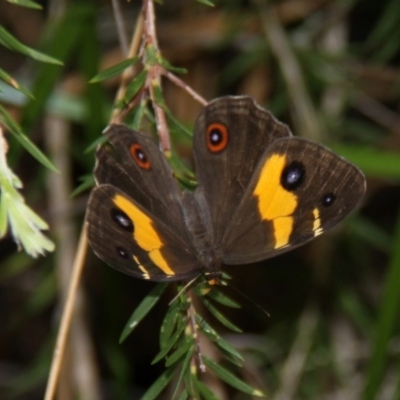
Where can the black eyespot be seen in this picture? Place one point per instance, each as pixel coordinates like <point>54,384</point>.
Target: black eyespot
<point>293,175</point>
<point>328,199</point>
<point>121,219</point>
<point>122,253</point>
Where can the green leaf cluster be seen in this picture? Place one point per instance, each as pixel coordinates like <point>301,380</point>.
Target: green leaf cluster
<point>180,345</point>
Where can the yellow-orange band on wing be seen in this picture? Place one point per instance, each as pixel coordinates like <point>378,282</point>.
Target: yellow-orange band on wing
<point>274,202</point>
<point>146,274</point>
<point>144,233</point>
<point>317,229</point>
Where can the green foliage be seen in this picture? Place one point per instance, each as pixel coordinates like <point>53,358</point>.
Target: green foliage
<point>26,3</point>
<point>115,70</point>
<point>387,318</point>
<point>25,224</point>
<point>180,346</point>
<point>142,310</point>
<point>9,41</point>
<point>135,85</point>
<point>207,3</point>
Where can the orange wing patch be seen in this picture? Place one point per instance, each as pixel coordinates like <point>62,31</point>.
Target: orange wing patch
<point>144,233</point>
<point>276,204</point>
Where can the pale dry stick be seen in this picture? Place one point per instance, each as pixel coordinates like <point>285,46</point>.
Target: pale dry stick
<point>348,356</point>
<point>82,361</point>
<point>161,118</point>
<point>131,105</point>
<point>154,76</point>
<point>119,20</point>
<point>196,362</point>
<point>162,71</point>
<point>3,151</point>
<point>202,346</point>
<point>294,364</point>
<point>337,13</point>
<point>377,112</point>
<point>333,41</point>
<point>133,51</point>
<point>305,117</point>
<point>178,82</point>
<point>67,316</point>
<point>79,263</point>
<point>150,20</point>
<point>194,332</point>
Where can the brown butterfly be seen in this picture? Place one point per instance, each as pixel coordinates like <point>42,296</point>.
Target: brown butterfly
<point>260,192</point>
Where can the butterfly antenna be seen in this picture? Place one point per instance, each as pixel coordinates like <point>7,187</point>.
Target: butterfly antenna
<point>250,300</point>
<point>183,289</point>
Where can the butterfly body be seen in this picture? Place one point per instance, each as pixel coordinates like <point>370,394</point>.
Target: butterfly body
<point>261,192</point>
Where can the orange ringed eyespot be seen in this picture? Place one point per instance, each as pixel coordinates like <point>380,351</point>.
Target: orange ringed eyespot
<point>217,137</point>
<point>139,156</point>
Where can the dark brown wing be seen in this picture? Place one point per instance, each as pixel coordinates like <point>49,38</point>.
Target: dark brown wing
<point>135,218</point>
<point>299,190</point>
<point>231,134</point>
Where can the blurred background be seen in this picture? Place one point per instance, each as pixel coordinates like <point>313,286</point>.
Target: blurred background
<point>327,68</point>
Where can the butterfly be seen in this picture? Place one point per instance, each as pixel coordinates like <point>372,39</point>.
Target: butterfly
<point>261,192</point>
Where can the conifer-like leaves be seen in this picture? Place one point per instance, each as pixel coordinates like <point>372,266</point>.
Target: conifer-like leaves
<point>181,336</point>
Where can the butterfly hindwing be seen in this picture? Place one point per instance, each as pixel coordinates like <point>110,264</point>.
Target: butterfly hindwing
<point>299,190</point>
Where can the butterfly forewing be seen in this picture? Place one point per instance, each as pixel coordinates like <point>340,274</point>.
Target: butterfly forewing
<point>231,134</point>
<point>146,175</point>
<point>135,217</point>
